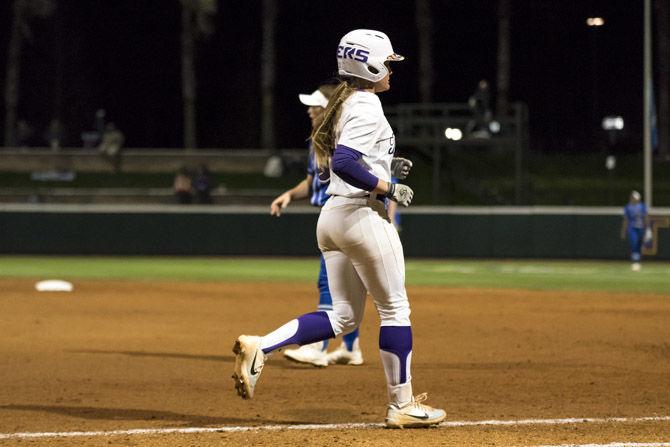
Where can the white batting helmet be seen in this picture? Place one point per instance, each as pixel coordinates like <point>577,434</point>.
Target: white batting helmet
<point>362,54</point>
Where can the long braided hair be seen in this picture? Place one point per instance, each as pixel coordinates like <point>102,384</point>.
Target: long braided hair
<point>323,134</point>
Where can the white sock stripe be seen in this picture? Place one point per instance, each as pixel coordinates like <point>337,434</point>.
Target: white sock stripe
<point>280,335</point>
<point>408,367</point>
<point>391,364</point>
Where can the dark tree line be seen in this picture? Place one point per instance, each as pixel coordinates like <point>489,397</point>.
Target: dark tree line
<point>197,24</point>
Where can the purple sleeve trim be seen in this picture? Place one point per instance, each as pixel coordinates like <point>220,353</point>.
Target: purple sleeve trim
<point>345,165</point>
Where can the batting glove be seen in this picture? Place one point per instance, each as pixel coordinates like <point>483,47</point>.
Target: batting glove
<point>400,167</point>
<point>400,193</point>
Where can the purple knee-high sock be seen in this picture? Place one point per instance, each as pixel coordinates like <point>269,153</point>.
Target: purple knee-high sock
<point>398,341</point>
<point>310,328</point>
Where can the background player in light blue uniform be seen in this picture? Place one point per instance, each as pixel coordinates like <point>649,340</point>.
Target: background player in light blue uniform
<point>315,187</point>
<point>634,226</point>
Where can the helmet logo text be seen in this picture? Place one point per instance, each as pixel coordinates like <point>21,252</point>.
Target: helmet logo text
<point>354,53</point>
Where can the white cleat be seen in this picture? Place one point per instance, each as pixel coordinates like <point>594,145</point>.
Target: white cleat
<point>342,356</point>
<point>312,354</point>
<point>635,266</point>
<point>249,361</point>
<point>414,414</point>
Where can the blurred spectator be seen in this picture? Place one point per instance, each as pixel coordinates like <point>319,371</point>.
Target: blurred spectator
<point>112,144</point>
<point>54,134</point>
<point>480,105</point>
<point>203,184</point>
<point>183,187</point>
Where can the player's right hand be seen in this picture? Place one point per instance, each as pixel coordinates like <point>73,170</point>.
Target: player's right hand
<point>279,204</point>
<point>400,193</point>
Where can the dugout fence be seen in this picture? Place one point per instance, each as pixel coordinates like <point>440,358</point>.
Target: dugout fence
<point>482,232</point>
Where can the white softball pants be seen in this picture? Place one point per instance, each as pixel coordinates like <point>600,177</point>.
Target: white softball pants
<point>363,253</point>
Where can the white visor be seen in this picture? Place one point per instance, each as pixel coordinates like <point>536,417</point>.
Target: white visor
<point>316,99</point>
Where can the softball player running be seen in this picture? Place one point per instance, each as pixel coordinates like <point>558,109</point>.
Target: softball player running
<point>635,222</point>
<point>361,247</point>
<point>349,353</point>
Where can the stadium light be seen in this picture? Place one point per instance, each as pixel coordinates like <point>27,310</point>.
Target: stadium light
<point>494,126</point>
<point>612,123</point>
<point>452,133</point>
<point>595,21</point>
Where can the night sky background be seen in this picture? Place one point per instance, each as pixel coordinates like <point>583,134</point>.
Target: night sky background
<point>124,56</point>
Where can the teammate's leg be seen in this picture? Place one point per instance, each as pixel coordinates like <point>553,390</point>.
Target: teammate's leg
<point>326,303</point>
<point>347,291</point>
<point>349,352</point>
<point>350,339</point>
<point>325,300</point>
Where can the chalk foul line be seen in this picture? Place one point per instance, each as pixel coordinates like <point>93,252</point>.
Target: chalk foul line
<point>344,426</point>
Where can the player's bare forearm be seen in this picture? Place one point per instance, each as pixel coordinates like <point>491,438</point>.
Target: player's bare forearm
<point>391,210</point>
<point>299,191</point>
<point>382,187</point>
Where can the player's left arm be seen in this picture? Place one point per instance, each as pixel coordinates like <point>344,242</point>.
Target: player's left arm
<point>391,210</point>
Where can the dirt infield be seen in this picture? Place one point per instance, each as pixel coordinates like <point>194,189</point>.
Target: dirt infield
<point>131,355</point>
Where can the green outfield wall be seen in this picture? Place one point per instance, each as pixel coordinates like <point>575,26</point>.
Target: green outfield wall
<point>530,232</point>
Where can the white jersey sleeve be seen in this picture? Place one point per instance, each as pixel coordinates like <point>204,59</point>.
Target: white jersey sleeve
<point>359,125</point>
<point>364,128</point>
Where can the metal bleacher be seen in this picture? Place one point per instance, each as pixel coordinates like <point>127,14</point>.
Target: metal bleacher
<point>52,162</point>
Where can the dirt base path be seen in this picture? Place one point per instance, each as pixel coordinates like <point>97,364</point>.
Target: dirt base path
<point>131,355</point>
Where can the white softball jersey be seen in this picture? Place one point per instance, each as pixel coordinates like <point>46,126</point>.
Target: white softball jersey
<point>364,128</point>
<point>362,249</point>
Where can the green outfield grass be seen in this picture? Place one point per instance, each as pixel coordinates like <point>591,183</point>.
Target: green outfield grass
<point>521,274</point>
